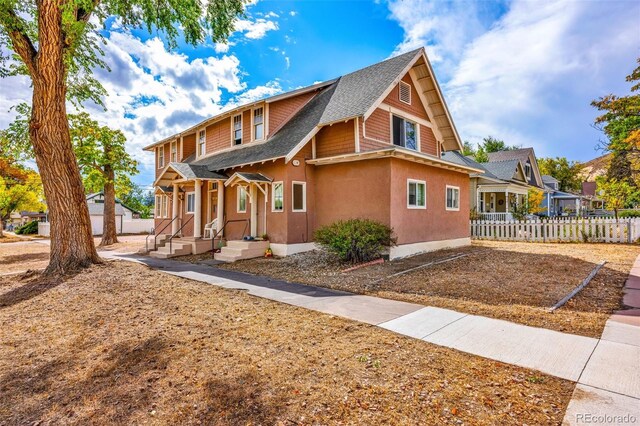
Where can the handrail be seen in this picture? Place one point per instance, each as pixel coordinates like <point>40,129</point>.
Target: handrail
<point>155,236</point>
<point>224,226</point>
<point>177,232</point>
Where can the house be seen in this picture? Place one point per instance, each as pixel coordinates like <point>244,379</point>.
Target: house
<point>561,203</point>
<point>368,144</point>
<point>17,219</point>
<point>503,183</point>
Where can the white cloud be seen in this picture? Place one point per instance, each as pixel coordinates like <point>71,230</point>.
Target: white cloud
<point>293,13</point>
<point>255,29</point>
<point>271,15</point>
<point>221,47</point>
<point>255,94</point>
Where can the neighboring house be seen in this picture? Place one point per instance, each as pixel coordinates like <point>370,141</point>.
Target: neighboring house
<point>368,144</point>
<point>503,183</point>
<point>127,212</point>
<point>20,218</point>
<point>561,203</point>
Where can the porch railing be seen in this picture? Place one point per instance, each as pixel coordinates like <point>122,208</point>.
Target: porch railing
<point>496,216</point>
<point>219,231</point>
<point>155,236</point>
<point>178,232</point>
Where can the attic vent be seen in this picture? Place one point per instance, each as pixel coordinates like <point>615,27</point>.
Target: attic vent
<point>405,92</point>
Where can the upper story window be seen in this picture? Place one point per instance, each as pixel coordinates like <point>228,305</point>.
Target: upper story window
<point>404,92</point>
<point>527,170</point>
<point>202,142</point>
<point>160,156</point>
<point>174,152</point>
<point>416,194</point>
<point>258,124</point>
<point>237,129</point>
<point>404,133</point>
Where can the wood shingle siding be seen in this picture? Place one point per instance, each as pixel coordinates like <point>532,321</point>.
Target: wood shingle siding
<point>416,108</point>
<point>336,139</point>
<point>189,145</point>
<point>281,111</point>
<point>218,136</point>
<point>428,143</point>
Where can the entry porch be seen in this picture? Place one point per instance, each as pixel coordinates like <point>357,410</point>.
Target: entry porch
<point>497,202</point>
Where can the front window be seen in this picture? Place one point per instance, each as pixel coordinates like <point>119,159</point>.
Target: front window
<point>242,199</point>
<point>237,129</point>
<point>202,138</point>
<point>165,209</point>
<point>453,198</point>
<point>258,124</point>
<point>158,206</point>
<point>416,194</point>
<point>191,202</point>
<point>299,197</point>
<point>278,197</point>
<point>174,152</point>
<point>404,133</point>
<point>161,156</point>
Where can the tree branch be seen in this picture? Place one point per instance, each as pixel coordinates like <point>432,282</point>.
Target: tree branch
<point>22,44</point>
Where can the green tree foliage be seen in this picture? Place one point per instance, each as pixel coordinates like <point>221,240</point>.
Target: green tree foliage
<point>488,145</point>
<point>616,194</point>
<point>19,193</point>
<point>138,199</point>
<point>566,172</point>
<point>355,240</point>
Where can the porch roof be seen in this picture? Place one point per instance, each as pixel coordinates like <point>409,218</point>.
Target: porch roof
<point>248,178</point>
<point>187,172</point>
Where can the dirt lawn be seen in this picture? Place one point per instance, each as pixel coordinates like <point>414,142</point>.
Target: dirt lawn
<point>512,281</point>
<point>122,344</point>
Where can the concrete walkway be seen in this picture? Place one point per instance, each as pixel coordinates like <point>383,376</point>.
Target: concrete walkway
<point>607,370</point>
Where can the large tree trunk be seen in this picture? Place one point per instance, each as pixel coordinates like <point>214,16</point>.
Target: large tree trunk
<point>72,244</point>
<point>1,228</point>
<point>109,234</point>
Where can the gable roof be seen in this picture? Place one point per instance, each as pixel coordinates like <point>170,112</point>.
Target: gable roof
<point>97,209</point>
<point>118,203</point>
<point>522,155</point>
<point>347,97</point>
<point>549,179</point>
<point>503,170</point>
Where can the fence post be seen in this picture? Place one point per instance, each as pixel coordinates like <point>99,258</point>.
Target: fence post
<point>629,240</point>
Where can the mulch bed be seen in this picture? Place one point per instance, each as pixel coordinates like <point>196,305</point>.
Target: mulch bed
<point>512,281</point>
<point>122,344</point>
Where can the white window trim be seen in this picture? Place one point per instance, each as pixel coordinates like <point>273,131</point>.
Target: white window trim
<point>253,127</point>
<point>452,209</point>
<point>304,196</point>
<point>246,198</point>
<point>157,211</point>
<point>174,144</point>
<point>399,97</point>
<point>186,197</point>
<point>415,123</point>
<point>233,139</point>
<point>198,154</point>
<point>161,150</point>
<point>409,206</point>
<point>273,196</point>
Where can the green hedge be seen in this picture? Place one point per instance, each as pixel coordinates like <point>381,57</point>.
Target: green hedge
<point>28,228</point>
<point>355,240</point>
<point>629,213</point>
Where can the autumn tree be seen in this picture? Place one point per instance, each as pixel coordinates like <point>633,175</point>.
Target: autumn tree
<point>620,122</point>
<point>566,172</point>
<point>57,44</point>
<point>19,193</point>
<point>616,194</point>
<point>102,157</point>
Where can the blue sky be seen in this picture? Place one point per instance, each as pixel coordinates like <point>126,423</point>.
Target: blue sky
<point>522,71</point>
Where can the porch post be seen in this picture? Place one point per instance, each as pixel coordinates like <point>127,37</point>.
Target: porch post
<point>220,208</point>
<point>254,209</point>
<point>506,202</point>
<point>174,209</point>
<point>197,215</point>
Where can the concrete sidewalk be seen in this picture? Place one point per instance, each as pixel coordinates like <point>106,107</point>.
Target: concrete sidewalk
<point>607,370</point>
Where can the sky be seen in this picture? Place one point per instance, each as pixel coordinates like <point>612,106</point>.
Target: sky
<point>521,71</point>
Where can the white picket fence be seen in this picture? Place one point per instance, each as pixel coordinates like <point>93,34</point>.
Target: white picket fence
<point>565,230</point>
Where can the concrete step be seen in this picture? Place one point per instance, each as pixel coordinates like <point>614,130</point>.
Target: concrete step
<point>229,254</point>
<point>241,244</point>
<point>178,248</point>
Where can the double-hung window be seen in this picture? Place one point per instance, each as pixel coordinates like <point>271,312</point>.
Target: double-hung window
<point>164,211</point>
<point>160,156</point>
<point>237,129</point>
<point>174,152</point>
<point>202,140</point>
<point>299,198</point>
<point>416,194</point>
<point>191,202</point>
<point>405,133</point>
<point>527,168</point>
<point>158,206</point>
<point>242,199</point>
<point>453,198</point>
<point>258,124</point>
<point>277,197</point>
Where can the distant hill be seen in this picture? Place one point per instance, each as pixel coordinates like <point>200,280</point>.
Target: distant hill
<point>596,167</point>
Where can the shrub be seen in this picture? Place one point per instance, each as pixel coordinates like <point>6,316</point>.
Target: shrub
<point>629,213</point>
<point>355,240</point>
<point>28,228</point>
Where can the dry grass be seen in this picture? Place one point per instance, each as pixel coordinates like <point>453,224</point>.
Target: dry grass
<point>10,238</point>
<point>511,281</point>
<point>23,256</point>
<point>122,344</point>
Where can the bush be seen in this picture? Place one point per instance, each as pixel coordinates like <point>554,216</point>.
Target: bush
<point>629,213</point>
<point>355,240</point>
<point>28,228</point>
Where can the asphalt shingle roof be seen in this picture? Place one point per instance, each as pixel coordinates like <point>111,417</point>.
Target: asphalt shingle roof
<point>521,154</point>
<point>503,170</point>
<point>193,171</point>
<point>97,209</point>
<point>457,158</point>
